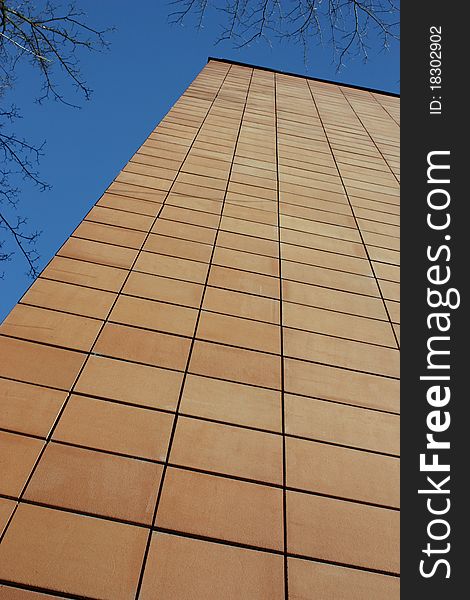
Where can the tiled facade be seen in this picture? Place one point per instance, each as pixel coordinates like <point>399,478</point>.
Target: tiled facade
<point>199,395</point>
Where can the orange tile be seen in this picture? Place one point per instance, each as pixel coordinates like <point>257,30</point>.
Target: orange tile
<point>130,383</point>
<point>109,216</point>
<point>51,327</point>
<point>6,509</point>
<point>243,281</point>
<point>334,300</point>
<point>212,571</point>
<point>221,508</point>
<point>343,472</point>
<point>72,554</point>
<point>340,385</point>
<point>97,252</point>
<point>338,324</point>
<point>162,244</point>
<point>150,314</point>
<point>338,280</point>
<point>133,205</point>
<point>235,364</point>
<point>17,458</point>
<point>241,305</point>
<point>246,243</point>
<point>69,298</point>
<point>139,345</point>
<point>185,230</point>
<point>246,261</point>
<point>115,428</point>
<point>344,532</point>
<point>342,353</point>
<point>169,266</point>
<point>229,450</point>
<point>28,408</point>
<point>231,402</point>
<point>39,364</point>
<point>108,234</point>
<point>342,424</point>
<point>243,333</point>
<point>96,483</point>
<point>84,273</point>
<point>164,289</point>
<point>310,580</point>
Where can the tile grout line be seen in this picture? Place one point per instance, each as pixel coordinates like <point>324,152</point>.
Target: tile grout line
<point>184,335</point>
<point>281,326</point>
<point>173,431</point>
<point>300,394</point>
<point>354,214</point>
<point>352,208</point>
<point>196,418</point>
<point>90,352</point>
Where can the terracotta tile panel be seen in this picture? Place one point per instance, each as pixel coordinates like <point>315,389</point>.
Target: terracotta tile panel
<point>338,324</point>
<point>179,248</point>
<point>96,483</point>
<point>221,508</point>
<point>39,364</point>
<point>235,364</point>
<point>150,314</point>
<point>164,289</point>
<point>343,472</point>
<point>51,327</point>
<point>120,236</point>
<point>342,424</point>
<point>69,298</point>
<point>85,273</point>
<point>97,252</point>
<point>212,571</point>
<point>243,281</point>
<point>74,554</point>
<point>244,333</point>
<point>246,261</point>
<point>344,532</point>
<point>130,383</point>
<point>309,580</point>
<point>342,353</point>
<point>231,402</point>
<point>6,510</point>
<point>134,205</point>
<point>241,305</point>
<point>130,220</point>
<point>115,428</point>
<point>169,266</point>
<point>139,345</point>
<point>229,450</point>
<point>28,409</point>
<point>17,458</point>
<point>335,300</point>
<point>348,387</point>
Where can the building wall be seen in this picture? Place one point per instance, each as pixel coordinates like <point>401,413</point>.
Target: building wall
<point>200,392</point>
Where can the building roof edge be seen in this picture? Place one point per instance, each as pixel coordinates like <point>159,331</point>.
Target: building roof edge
<point>348,85</point>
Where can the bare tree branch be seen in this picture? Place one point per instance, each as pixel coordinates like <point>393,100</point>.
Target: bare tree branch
<point>48,37</point>
<point>346,25</point>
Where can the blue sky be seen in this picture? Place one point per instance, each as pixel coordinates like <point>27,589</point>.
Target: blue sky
<point>135,82</point>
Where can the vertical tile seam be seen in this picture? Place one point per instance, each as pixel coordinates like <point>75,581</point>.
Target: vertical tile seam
<point>354,214</point>
<point>367,132</point>
<point>48,438</point>
<point>374,96</point>
<point>193,339</point>
<point>281,325</point>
